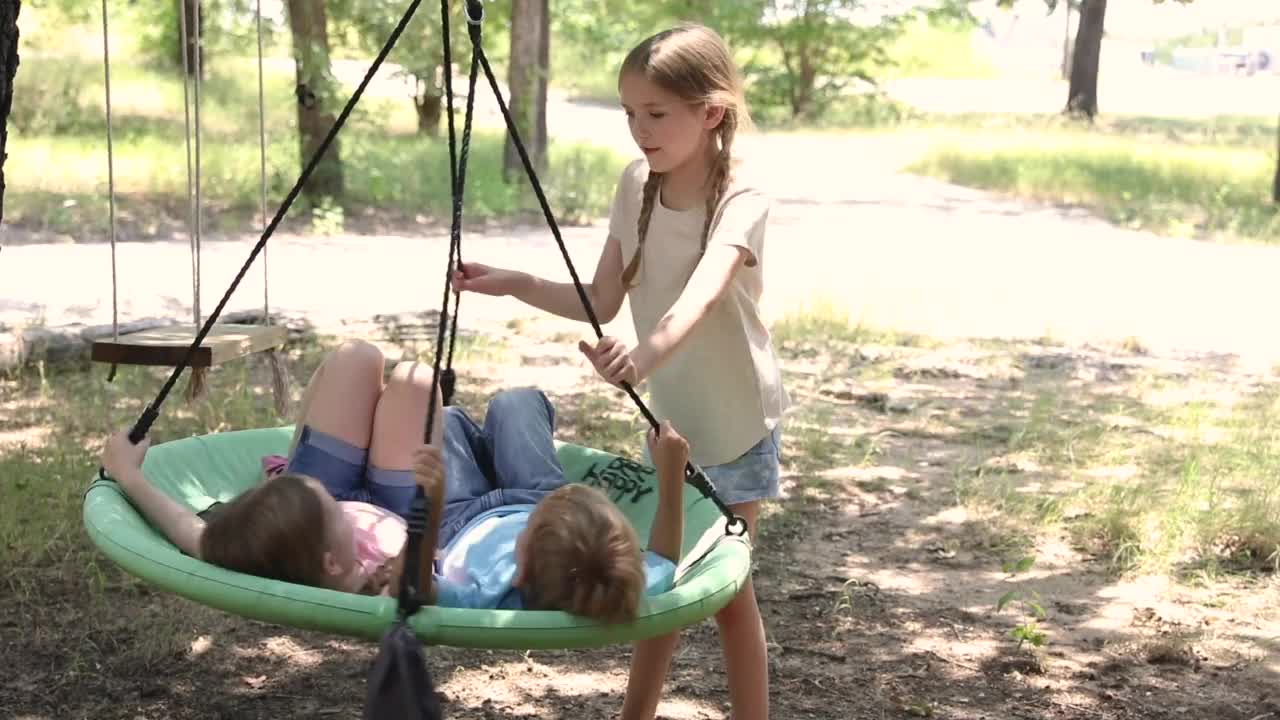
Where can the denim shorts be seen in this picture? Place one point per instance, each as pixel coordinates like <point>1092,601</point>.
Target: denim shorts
<point>753,476</point>
<point>345,472</point>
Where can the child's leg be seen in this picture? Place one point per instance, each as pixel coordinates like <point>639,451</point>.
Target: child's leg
<point>398,431</point>
<point>742,640</point>
<point>650,663</point>
<point>398,428</point>
<point>741,483</point>
<point>333,434</point>
<point>520,425</point>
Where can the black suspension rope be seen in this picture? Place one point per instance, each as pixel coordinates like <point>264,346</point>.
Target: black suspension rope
<point>693,474</point>
<point>410,600</point>
<point>449,379</point>
<point>474,18</point>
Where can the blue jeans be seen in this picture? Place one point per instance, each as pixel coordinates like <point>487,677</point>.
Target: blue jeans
<point>510,461</point>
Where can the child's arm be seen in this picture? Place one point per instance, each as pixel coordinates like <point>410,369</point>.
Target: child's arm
<point>709,283</point>
<point>123,461</point>
<point>670,452</point>
<point>605,290</point>
<point>428,470</point>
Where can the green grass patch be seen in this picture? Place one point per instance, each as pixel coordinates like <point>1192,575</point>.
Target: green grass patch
<point>825,321</point>
<point>59,126</point>
<point>1213,191</point>
<point>1189,488</point>
<point>1236,131</point>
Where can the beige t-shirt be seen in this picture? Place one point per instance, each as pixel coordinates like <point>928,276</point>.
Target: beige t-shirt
<point>722,388</point>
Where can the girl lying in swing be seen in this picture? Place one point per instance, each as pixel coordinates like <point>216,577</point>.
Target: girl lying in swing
<point>512,533</point>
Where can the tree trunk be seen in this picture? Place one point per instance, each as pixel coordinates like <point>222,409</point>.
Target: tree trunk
<point>527,77</point>
<point>192,47</point>
<point>430,107</point>
<point>1066,41</point>
<point>1275,188</point>
<point>1082,96</point>
<point>316,96</point>
<point>8,70</point>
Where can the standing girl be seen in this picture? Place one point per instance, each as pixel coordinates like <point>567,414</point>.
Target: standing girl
<point>686,245</point>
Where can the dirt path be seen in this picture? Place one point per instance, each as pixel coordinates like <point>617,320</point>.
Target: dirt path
<point>895,250</point>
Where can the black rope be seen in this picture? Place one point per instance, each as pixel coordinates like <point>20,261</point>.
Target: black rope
<point>410,599</point>
<point>693,474</point>
<point>449,379</point>
<point>475,14</point>
<point>149,415</point>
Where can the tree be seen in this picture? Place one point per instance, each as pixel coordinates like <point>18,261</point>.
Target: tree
<point>195,25</point>
<point>8,70</point>
<point>1082,93</point>
<point>1275,188</point>
<point>527,73</point>
<point>418,52</point>
<point>1082,90</point>
<point>315,94</point>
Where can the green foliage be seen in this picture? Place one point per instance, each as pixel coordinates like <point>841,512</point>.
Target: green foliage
<point>941,47</point>
<point>1195,191</point>
<point>364,27</point>
<point>55,99</point>
<point>1028,630</point>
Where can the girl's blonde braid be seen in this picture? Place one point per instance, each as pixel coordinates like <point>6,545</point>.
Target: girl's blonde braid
<point>719,178</point>
<point>651,185</point>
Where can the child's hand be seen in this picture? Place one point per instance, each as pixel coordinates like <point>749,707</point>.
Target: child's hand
<point>669,450</point>
<point>486,280</point>
<point>121,458</point>
<point>428,468</point>
<point>612,360</point>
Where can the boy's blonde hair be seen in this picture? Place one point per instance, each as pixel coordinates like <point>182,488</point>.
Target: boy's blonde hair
<point>582,556</point>
<point>692,62</point>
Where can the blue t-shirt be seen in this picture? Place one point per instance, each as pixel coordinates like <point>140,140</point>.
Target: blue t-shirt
<point>478,567</point>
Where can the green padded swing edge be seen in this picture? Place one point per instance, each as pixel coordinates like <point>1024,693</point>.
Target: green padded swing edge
<point>713,568</point>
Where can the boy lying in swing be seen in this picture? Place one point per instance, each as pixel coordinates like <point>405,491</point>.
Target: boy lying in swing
<point>513,534</point>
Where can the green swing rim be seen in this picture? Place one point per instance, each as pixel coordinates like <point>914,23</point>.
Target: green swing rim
<point>713,568</point>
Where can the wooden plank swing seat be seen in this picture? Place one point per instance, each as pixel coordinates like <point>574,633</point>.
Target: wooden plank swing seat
<point>167,346</point>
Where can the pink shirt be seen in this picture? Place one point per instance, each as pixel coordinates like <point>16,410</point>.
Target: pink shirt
<point>378,534</point>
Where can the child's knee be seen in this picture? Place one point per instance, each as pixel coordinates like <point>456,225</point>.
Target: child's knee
<point>356,360</point>
<point>359,351</point>
<point>410,377</point>
<point>519,400</point>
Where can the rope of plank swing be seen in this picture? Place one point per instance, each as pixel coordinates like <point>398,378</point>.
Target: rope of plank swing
<point>111,186</point>
<point>196,386</point>
<point>148,416</point>
<point>279,370</point>
<point>262,156</point>
<point>409,599</point>
<point>186,112</point>
<point>197,80</point>
<point>693,474</point>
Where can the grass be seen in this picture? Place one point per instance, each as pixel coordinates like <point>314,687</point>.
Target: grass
<point>1145,486</point>
<point>824,321</point>
<point>1204,181</point>
<point>59,126</point>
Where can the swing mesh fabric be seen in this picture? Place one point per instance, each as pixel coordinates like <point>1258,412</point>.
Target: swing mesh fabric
<point>199,471</point>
